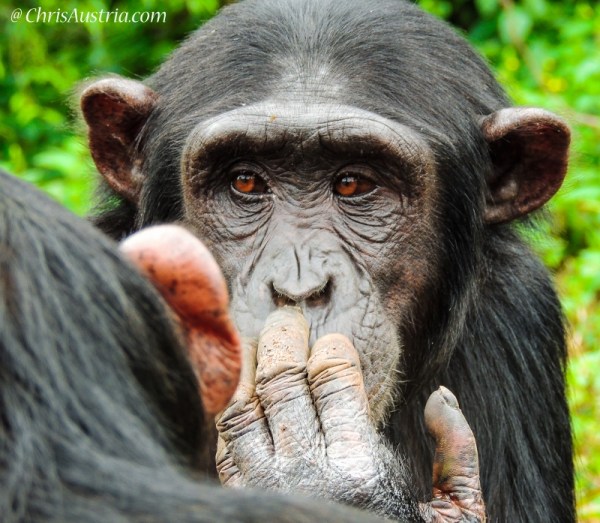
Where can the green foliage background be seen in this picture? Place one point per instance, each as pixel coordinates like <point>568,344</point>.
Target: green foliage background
<point>546,52</point>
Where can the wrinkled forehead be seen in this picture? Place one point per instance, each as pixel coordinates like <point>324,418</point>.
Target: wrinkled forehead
<point>270,127</point>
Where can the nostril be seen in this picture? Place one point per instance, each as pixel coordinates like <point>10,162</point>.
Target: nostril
<point>321,296</point>
<point>280,298</point>
<point>315,297</point>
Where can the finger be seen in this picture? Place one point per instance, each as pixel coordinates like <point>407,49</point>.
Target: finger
<point>456,464</point>
<point>246,387</point>
<point>281,383</point>
<point>186,274</point>
<point>338,390</point>
<point>242,425</point>
<point>229,474</point>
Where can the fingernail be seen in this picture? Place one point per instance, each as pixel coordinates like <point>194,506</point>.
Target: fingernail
<point>448,397</point>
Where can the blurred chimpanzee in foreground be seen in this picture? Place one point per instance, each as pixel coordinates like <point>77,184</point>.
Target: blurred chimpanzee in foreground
<point>100,416</point>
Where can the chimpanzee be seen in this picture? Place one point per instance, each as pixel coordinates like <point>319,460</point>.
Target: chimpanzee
<point>357,160</point>
<point>100,418</point>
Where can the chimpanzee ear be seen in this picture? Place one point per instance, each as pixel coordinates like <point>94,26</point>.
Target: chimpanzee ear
<point>115,109</point>
<point>188,277</point>
<point>529,149</point>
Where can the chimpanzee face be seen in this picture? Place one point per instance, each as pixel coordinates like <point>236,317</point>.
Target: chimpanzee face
<point>323,206</point>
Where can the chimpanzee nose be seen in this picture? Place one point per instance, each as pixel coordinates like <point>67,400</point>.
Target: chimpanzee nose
<point>299,277</point>
<point>313,295</point>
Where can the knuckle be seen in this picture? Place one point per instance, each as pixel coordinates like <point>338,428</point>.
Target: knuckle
<point>238,420</point>
<point>280,371</point>
<point>334,374</point>
<point>283,387</point>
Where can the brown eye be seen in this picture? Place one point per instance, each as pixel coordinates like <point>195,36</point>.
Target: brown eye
<point>349,185</point>
<point>245,183</point>
<point>248,182</point>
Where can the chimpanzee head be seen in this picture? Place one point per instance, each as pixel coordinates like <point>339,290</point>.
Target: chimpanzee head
<point>348,158</point>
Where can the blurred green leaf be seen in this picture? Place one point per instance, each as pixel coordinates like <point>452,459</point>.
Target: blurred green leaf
<point>515,25</point>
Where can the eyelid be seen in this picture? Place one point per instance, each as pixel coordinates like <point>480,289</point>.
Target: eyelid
<point>362,173</point>
<point>239,167</point>
<point>249,169</point>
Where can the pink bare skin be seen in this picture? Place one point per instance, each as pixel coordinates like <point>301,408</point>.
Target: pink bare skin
<point>186,274</point>
<point>300,422</point>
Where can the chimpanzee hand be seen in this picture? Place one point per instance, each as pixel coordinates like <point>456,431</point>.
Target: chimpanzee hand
<point>300,422</point>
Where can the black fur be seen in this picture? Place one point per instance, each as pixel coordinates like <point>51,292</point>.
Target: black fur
<point>99,414</point>
<point>493,331</point>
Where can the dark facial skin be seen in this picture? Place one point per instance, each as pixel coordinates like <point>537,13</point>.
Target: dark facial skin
<point>310,205</point>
